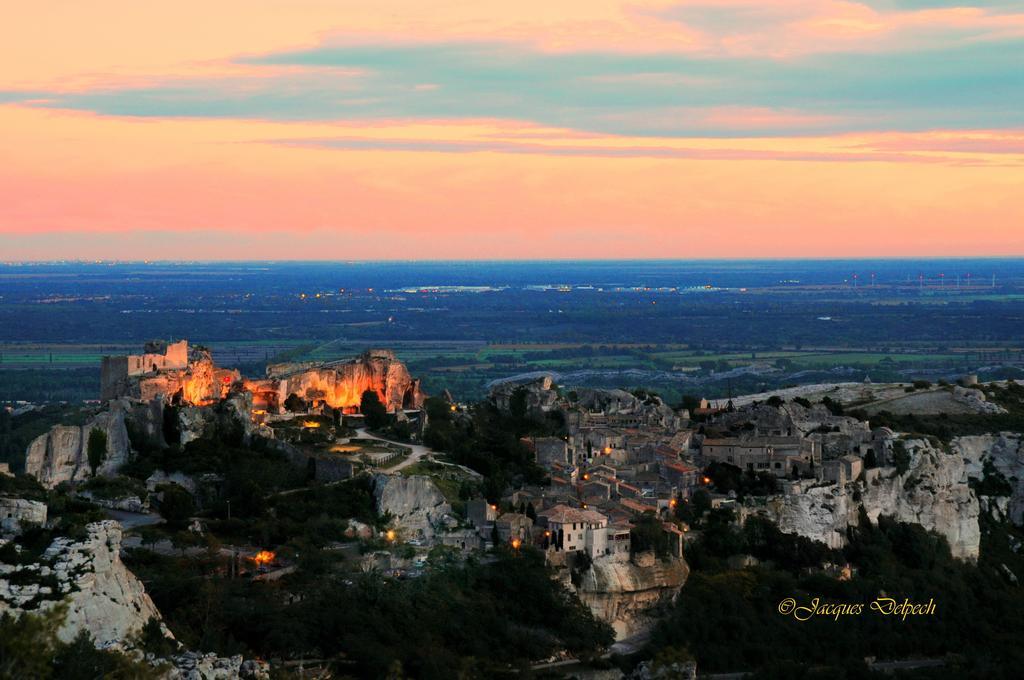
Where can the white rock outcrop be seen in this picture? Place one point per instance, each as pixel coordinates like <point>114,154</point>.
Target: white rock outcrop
<point>1005,450</point>
<point>61,455</point>
<point>198,666</point>
<point>625,594</point>
<point>103,597</point>
<point>18,513</point>
<point>933,492</point>
<point>416,504</point>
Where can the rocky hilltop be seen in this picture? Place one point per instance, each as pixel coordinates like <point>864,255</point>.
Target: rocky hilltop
<point>103,597</point>
<point>625,594</point>
<point>341,384</point>
<point>932,492</point>
<point>61,455</point>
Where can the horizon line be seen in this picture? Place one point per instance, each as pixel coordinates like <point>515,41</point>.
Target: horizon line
<point>361,261</point>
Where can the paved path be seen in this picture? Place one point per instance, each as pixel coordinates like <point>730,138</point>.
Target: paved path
<point>131,520</point>
<point>418,450</point>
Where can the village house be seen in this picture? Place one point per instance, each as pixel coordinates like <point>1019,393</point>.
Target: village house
<point>480,513</point>
<point>778,455</point>
<point>576,530</point>
<point>551,450</point>
<point>513,526</point>
<point>843,469</point>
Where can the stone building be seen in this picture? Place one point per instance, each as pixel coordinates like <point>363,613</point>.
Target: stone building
<point>576,530</point>
<point>778,455</point>
<point>513,526</point>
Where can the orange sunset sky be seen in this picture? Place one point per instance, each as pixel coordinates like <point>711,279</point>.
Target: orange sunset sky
<point>393,129</point>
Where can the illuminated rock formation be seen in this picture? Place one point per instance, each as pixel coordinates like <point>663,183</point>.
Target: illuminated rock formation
<point>183,375</point>
<point>176,372</point>
<point>340,384</point>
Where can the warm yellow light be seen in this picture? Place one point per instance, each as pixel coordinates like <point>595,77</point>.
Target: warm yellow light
<point>454,407</point>
<point>311,423</point>
<point>390,535</point>
<point>516,543</point>
<point>263,557</point>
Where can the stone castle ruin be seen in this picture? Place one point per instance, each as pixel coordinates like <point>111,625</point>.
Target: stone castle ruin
<point>176,372</point>
<point>186,375</point>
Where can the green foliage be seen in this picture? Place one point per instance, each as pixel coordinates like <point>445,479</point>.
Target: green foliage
<point>900,456</point>
<point>647,534</point>
<point>489,442</point>
<point>834,406</point>
<point>992,483</point>
<point>477,618</point>
<point>30,648</point>
<point>22,486</point>
<point>96,448</point>
<point>730,618</point>
<point>802,402</point>
<point>726,478</point>
<point>295,404</point>
<point>109,488</point>
<point>374,412</point>
<point>176,505</point>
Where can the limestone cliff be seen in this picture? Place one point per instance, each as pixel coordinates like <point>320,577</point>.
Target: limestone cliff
<point>416,504</point>
<point>104,598</point>
<point>61,455</point>
<point>177,373</point>
<point>932,492</point>
<point>341,384</point>
<point>1005,452</point>
<point>625,594</point>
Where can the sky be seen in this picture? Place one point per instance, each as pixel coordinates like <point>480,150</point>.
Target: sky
<point>451,129</point>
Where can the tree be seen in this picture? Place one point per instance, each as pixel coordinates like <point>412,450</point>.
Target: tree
<point>96,449</point>
<point>374,412</point>
<point>295,403</point>
<point>176,506</point>
<point>517,403</point>
<point>531,512</point>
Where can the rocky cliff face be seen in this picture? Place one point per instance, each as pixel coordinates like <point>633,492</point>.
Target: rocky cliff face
<point>624,593</point>
<point>103,597</point>
<point>1005,451</point>
<point>415,502</point>
<point>61,455</point>
<point>539,395</point>
<point>933,492</point>
<point>341,384</point>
